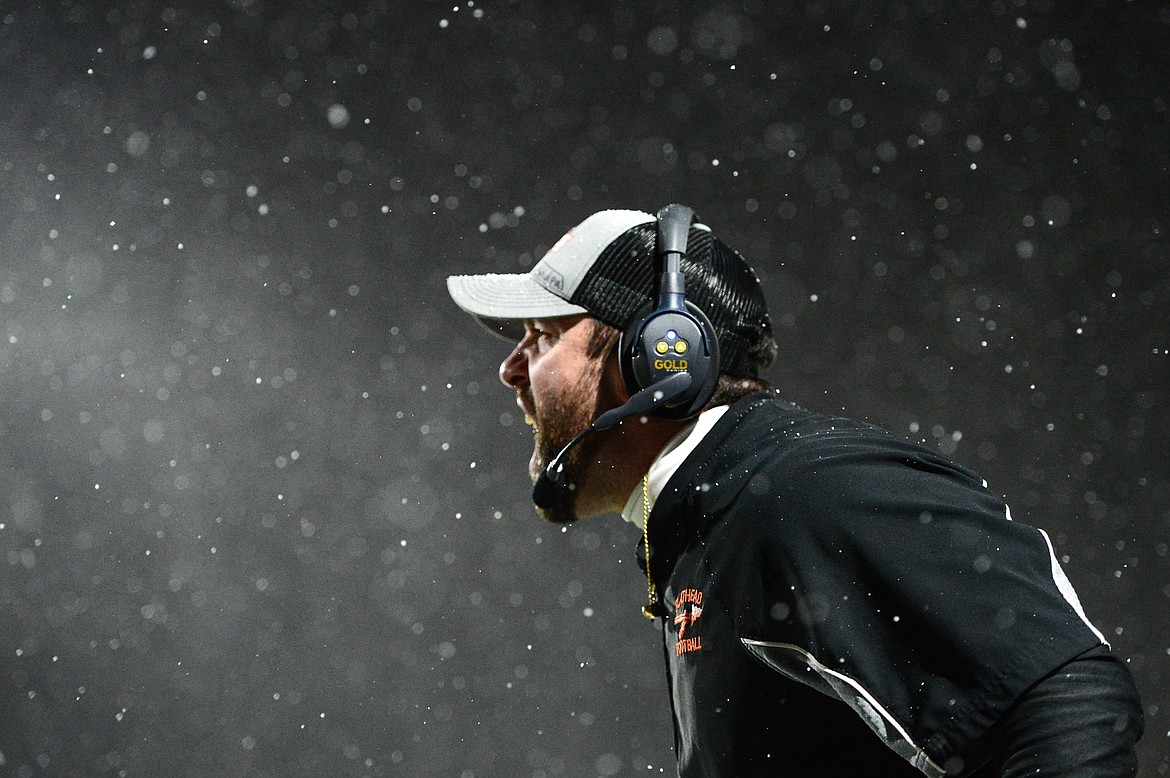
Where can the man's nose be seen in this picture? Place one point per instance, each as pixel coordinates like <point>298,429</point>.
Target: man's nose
<point>514,369</point>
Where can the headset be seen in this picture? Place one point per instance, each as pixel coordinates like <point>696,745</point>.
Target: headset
<point>674,336</point>
<point>668,354</point>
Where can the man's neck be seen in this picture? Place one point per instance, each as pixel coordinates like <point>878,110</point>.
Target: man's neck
<point>670,457</point>
<point>624,457</point>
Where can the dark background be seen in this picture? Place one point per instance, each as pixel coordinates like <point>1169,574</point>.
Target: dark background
<point>263,506</point>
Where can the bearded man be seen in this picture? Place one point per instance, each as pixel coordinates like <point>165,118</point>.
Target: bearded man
<point>834,600</point>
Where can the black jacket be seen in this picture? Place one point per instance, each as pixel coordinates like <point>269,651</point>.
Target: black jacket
<point>886,579</point>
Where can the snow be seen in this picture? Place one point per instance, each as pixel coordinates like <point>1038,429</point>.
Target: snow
<point>241,535</point>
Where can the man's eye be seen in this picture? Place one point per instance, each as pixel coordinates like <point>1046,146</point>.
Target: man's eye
<point>543,336</point>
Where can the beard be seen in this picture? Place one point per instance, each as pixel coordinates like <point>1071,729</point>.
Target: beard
<point>557,421</point>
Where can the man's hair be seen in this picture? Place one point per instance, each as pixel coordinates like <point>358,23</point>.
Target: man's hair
<point>603,341</point>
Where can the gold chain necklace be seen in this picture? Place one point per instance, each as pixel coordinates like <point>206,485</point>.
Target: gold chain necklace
<point>650,609</point>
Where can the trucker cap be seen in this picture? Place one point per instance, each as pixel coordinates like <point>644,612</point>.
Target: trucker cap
<point>606,267</point>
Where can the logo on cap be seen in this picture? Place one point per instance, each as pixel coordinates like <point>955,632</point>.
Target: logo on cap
<point>564,239</point>
<point>553,280</point>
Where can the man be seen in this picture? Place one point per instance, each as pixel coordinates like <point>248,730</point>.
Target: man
<point>835,600</point>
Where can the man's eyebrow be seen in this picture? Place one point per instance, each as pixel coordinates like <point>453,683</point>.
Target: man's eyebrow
<point>558,324</point>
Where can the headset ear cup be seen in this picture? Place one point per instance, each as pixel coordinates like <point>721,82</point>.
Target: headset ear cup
<point>702,360</point>
<point>628,346</point>
<point>706,379</point>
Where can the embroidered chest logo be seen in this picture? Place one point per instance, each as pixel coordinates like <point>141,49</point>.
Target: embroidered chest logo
<point>688,607</point>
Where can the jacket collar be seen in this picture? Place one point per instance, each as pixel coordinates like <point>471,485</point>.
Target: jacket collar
<point>682,509</point>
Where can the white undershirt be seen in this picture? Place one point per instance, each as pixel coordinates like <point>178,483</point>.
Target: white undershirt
<point>673,454</point>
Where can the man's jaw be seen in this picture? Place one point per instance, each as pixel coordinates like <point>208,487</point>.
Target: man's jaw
<point>549,438</point>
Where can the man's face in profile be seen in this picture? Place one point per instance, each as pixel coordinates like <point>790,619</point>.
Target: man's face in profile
<point>559,387</point>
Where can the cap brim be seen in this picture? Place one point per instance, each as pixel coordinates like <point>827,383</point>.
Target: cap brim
<point>502,302</point>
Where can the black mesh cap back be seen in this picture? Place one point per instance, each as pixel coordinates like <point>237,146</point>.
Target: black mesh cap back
<point>718,280</point>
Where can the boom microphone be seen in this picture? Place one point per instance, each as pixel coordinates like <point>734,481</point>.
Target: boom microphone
<point>549,486</point>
